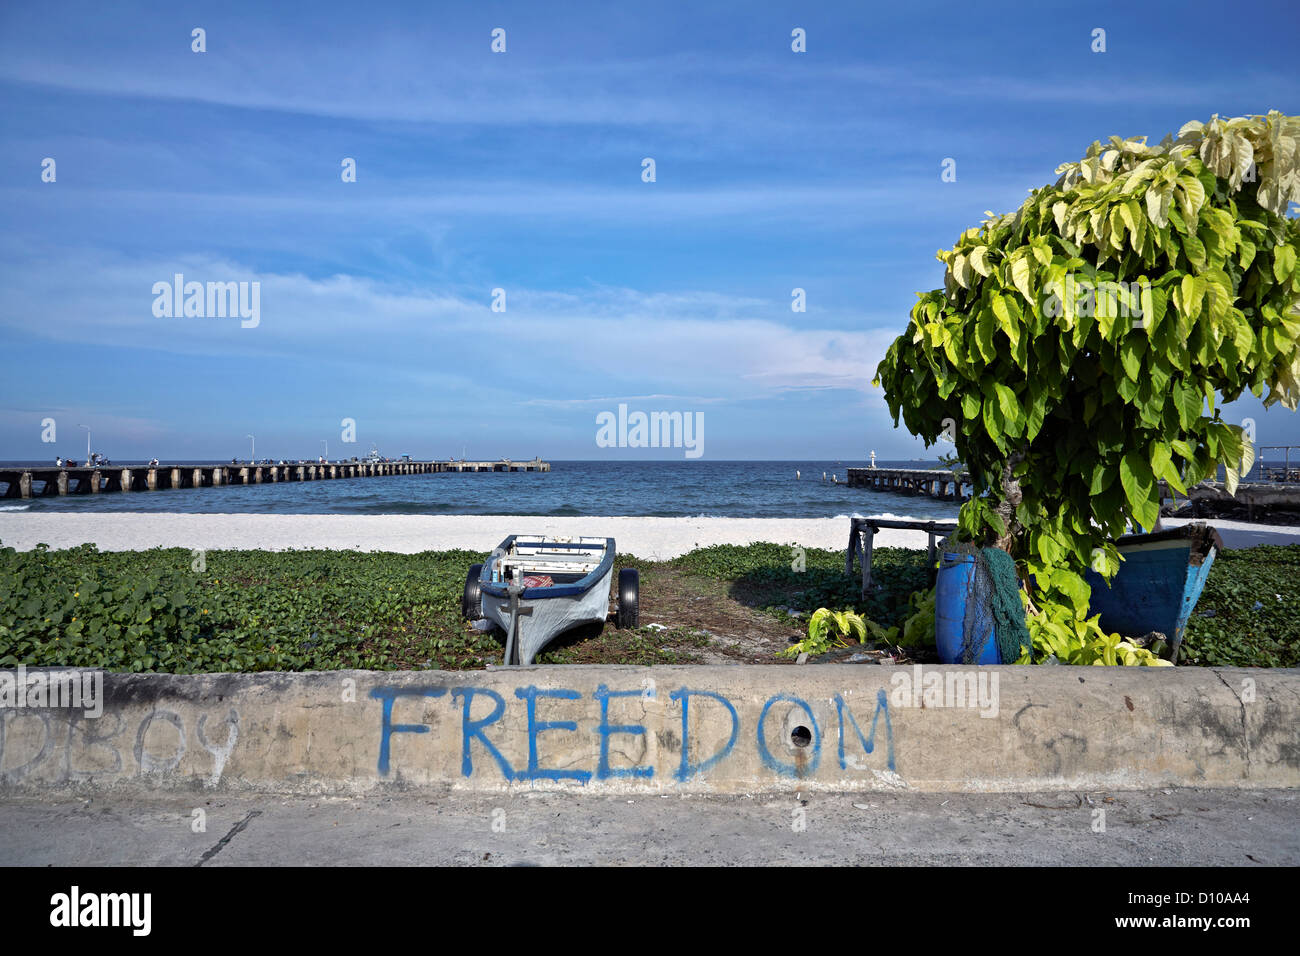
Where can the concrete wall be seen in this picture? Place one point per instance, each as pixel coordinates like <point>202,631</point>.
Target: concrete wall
<point>704,729</point>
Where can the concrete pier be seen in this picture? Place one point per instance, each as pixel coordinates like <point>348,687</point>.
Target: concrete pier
<point>1259,497</point>
<point>35,481</point>
<point>935,482</point>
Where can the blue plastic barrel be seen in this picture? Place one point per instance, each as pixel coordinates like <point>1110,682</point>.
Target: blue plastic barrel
<point>952,591</point>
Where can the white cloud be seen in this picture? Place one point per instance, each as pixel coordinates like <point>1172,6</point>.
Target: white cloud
<point>550,345</point>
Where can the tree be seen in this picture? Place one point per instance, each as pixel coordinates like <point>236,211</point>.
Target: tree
<point>1079,342</point>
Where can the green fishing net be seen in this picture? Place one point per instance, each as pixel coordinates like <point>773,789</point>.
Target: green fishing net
<point>993,605</point>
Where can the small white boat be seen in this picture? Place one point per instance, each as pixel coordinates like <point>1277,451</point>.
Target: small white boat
<point>537,587</point>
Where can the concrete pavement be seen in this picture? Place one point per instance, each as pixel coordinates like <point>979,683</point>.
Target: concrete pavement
<point>525,828</point>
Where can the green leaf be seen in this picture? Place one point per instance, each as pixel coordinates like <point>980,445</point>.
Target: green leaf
<point>1157,198</point>
<point>993,426</point>
<point>1139,487</point>
<point>961,270</point>
<point>1048,549</point>
<point>1131,215</point>
<point>985,326</point>
<point>1035,413</point>
<point>1073,587</point>
<point>1228,439</point>
<point>1189,296</point>
<point>1009,323</point>
<point>1007,403</point>
<point>1116,223</point>
<point>1162,466</point>
<point>1101,479</point>
<point>1021,270</point>
<point>1246,255</point>
<point>1190,404</point>
<point>1284,263</point>
<point>1130,355</point>
<point>1247,455</point>
<point>1230,479</point>
<point>1155,302</point>
<point>1193,196</point>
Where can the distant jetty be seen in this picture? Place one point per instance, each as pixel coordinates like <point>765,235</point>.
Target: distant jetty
<point>935,482</point>
<point>1256,498</point>
<point>30,482</point>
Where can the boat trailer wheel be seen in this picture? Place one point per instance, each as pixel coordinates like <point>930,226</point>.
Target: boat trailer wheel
<point>471,602</point>
<point>628,586</point>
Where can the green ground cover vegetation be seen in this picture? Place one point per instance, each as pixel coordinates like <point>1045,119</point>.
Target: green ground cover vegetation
<point>325,610</point>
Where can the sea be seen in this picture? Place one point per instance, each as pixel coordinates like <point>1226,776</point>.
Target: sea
<point>732,489</point>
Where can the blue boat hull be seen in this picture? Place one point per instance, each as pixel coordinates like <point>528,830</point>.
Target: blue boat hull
<point>1158,583</point>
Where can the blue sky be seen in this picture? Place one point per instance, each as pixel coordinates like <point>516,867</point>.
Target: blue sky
<point>522,171</point>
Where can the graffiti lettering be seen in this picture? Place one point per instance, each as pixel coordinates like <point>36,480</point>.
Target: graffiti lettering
<point>710,729</point>
<point>474,728</point>
<point>386,695</point>
<point>603,771</point>
<point>92,750</point>
<point>868,743</point>
<point>780,766</point>
<point>687,769</point>
<point>535,727</point>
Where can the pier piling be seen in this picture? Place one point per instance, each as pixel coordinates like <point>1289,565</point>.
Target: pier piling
<point>25,482</point>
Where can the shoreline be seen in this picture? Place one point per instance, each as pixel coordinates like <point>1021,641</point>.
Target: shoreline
<point>648,538</point>
<point>652,539</point>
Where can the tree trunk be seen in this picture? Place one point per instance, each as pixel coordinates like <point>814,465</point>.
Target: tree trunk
<point>1011,498</point>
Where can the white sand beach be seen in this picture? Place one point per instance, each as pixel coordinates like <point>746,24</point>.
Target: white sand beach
<point>649,538</point>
